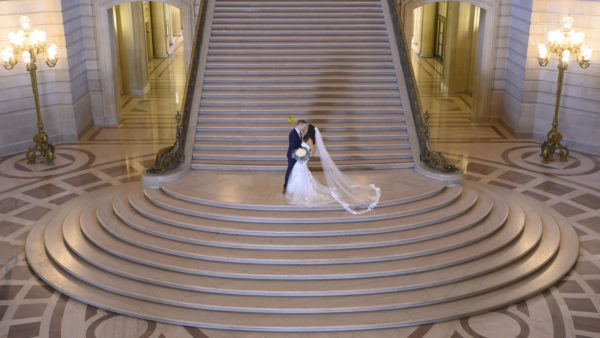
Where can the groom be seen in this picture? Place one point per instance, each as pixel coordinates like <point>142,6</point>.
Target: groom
<point>295,140</point>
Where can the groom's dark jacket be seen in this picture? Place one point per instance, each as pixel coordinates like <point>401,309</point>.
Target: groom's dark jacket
<point>295,143</point>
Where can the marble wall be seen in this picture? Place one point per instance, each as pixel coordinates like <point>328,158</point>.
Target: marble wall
<point>524,93</point>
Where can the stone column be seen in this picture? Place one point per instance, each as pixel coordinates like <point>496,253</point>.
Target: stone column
<point>131,49</point>
<point>159,30</point>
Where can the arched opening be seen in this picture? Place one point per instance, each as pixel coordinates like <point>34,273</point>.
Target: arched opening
<point>452,52</point>
<point>126,59</point>
<point>148,56</point>
<point>444,47</point>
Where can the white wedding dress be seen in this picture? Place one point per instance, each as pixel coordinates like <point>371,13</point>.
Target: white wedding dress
<point>304,189</point>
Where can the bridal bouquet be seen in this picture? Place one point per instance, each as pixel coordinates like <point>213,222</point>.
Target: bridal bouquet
<point>301,155</point>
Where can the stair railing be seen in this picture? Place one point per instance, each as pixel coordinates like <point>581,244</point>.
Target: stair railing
<point>428,156</point>
<point>171,157</point>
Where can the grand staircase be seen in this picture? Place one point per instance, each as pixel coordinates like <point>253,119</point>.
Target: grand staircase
<point>329,62</point>
<point>205,252</point>
<point>220,248</point>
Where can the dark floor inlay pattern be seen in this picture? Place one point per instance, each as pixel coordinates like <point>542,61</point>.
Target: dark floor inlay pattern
<point>10,203</point>
<point>569,286</point>
<point>580,304</point>
<point>34,213</point>
<point>513,176</point>
<point>24,330</point>
<point>7,228</point>
<point>589,200</point>
<point>591,324</point>
<point>44,191</point>
<point>566,209</point>
<point>78,181</point>
<point>554,188</point>
<point>480,168</point>
<point>536,196</point>
<point>593,223</point>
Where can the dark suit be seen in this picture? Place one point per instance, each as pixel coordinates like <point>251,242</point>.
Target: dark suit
<point>294,143</point>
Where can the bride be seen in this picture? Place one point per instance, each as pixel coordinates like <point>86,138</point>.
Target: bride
<point>304,189</point>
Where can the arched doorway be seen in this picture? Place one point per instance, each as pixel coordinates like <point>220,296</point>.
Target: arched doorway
<point>105,32</point>
<point>482,72</point>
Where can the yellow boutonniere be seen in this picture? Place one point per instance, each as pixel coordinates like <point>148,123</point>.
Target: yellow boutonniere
<point>291,120</point>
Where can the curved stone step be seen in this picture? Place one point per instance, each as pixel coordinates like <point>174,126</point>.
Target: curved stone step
<point>207,188</point>
<point>312,304</point>
<point>533,284</point>
<point>318,255</point>
<point>116,265</point>
<point>459,207</point>
<point>159,199</point>
<point>501,239</point>
<point>127,215</point>
<point>273,166</point>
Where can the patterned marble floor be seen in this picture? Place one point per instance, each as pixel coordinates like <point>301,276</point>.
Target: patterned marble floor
<point>108,156</point>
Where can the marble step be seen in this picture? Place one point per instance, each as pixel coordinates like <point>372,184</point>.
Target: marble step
<point>269,270</point>
<point>289,52</point>
<point>509,294</point>
<point>249,87</point>
<point>339,71</point>
<point>243,147</point>
<point>331,304</point>
<point>164,201</point>
<point>351,136</point>
<point>298,20</point>
<point>313,32</point>
<point>113,264</point>
<point>274,119</point>
<point>299,94</point>
<point>305,4</point>
<point>236,252</point>
<point>295,102</point>
<point>306,38</point>
<point>206,188</point>
<point>297,15</point>
<point>303,64</point>
<point>291,10</point>
<point>303,111</point>
<point>298,26</point>
<point>354,165</point>
<point>284,128</point>
<point>262,155</point>
<point>127,215</point>
<point>307,58</point>
<point>143,207</point>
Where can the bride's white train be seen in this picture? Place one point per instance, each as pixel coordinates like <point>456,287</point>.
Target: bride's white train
<point>304,189</point>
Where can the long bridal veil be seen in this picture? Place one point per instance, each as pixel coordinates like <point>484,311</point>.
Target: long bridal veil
<point>355,198</point>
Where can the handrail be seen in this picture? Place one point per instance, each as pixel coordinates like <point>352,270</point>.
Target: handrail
<point>428,156</point>
<point>171,157</point>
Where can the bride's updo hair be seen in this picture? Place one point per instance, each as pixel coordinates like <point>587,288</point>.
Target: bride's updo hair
<point>310,134</point>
